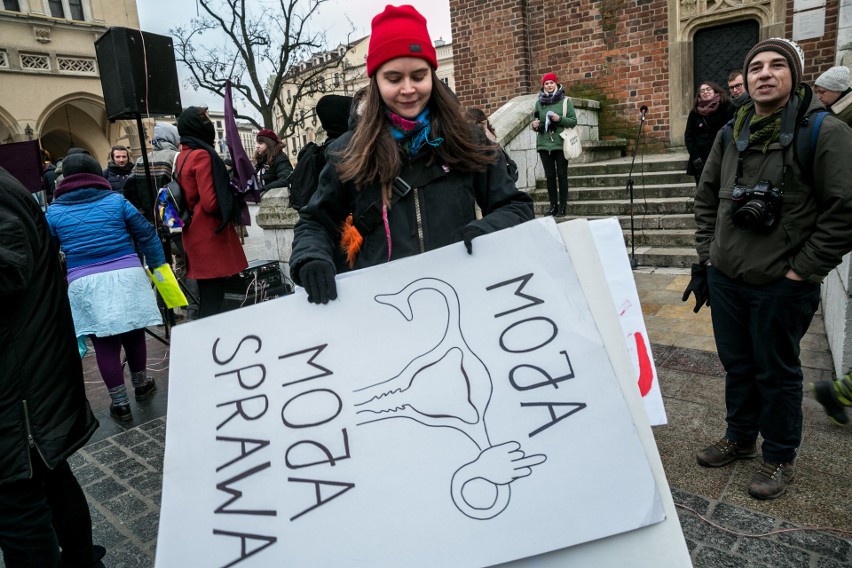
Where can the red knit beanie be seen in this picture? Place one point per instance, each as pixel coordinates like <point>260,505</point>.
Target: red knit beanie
<point>266,133</point>
<point>399,31</point>
<point>549,77</point>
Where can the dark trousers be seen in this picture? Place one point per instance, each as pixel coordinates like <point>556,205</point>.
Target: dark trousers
<point>211,293</point>
<point>758,330</point>
<point>40,515</point>
<point>555,167</point>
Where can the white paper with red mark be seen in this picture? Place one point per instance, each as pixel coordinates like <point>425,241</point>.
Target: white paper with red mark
<point>612,252</point>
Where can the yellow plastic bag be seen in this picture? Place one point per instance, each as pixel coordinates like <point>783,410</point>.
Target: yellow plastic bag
<point>167,285</point>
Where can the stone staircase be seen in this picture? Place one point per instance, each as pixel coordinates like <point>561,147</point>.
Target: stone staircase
<point>663,196</point>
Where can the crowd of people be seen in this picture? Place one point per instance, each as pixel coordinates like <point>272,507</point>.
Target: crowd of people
<point>405,170</point>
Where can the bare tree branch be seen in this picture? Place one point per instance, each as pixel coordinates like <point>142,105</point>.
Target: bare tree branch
<point>257,47</point>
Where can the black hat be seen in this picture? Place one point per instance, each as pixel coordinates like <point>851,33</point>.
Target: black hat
<point>333,112</point>
<point>80,164</point>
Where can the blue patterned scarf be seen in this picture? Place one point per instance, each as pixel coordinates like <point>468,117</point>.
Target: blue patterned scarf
<point>412,134</point>
<point>550,98</point>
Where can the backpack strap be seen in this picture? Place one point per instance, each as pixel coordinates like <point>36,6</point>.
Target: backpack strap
<point>727,134</point>
<point>373,216</point>
<point>806,142</point>
<point>176,174</point>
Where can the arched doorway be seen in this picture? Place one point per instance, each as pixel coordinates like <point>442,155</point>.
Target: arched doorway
<point>75,122</point>
<point>718,50</point>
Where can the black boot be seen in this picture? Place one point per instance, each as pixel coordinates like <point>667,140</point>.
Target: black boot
<point>552,195</point>
<point>563,195</point>
<point>121,413</point>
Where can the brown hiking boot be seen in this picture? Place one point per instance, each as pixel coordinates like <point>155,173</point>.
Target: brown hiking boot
<point>724,452</point>
<point>771,480</point>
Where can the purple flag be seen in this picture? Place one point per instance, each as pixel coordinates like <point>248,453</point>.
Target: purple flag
<point>243,177</point>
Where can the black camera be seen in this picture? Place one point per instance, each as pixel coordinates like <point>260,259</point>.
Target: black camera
<point>757,207</point>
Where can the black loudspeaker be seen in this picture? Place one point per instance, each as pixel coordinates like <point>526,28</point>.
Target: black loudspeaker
<point>138,73</point>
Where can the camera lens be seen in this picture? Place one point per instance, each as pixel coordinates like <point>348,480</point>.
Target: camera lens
<point>750,215</point>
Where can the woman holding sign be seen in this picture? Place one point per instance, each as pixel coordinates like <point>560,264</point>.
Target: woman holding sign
<point>110,292</point>
<point>410,173</point>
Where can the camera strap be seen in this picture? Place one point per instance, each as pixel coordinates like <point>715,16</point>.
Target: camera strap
<point>743,142</point>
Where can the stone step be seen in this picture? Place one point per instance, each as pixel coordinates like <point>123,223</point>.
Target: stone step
<point>657,162</point>
<point>655,191</point>
<point>670,257</point>
<point>618,207</point>
<point>663,201</point>
<point>677,238</point>
<point>620,180</point>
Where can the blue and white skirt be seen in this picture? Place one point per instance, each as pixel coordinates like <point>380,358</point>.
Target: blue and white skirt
<point>113,302</point>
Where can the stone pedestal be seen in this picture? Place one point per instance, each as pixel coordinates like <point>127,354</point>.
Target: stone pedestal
<point>277,219</point>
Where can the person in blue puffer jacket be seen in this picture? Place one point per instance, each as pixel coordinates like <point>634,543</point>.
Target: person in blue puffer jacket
<point>111,297</point>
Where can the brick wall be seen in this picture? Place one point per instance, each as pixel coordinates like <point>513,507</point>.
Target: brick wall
<point>617,48</point>
<point>819,53</point>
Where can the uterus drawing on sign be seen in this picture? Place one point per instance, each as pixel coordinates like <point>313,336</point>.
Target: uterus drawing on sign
<point>460,387</point>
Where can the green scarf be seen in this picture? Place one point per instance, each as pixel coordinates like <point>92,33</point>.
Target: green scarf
<point>763,129</point>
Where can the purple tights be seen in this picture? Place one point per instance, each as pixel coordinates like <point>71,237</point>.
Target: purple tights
<point>108,355</point>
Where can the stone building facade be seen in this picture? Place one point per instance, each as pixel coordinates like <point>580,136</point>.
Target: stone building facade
<point>50,87</point>
<point>626,53</point>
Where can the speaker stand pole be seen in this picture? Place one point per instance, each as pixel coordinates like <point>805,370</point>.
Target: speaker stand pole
<point>633,263</point>
<point>165,239</point>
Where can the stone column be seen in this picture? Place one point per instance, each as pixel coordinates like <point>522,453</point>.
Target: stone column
<point>278,219</point>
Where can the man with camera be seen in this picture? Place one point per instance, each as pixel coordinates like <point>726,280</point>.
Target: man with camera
<point>769,230</point>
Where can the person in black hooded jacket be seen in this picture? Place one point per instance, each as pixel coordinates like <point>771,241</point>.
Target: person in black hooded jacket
<point>44,414</point>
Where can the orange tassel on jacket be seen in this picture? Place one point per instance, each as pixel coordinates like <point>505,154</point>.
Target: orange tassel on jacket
<point>350,241</point>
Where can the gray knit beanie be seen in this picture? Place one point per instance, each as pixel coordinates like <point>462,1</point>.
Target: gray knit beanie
<point>167,132</point>
<point>835,79</point>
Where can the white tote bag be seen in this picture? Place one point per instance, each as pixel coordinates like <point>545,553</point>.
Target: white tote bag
<point>571,146</point>
<point>571,143</point>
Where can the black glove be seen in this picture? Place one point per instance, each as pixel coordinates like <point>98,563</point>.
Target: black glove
<point>698,286</point>
<point>318,280</point>
<point>469,233</point>
<point>698,164</point>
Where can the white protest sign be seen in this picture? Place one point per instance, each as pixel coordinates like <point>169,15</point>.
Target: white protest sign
<point>448,410</point>
<point>661,545</point>
<point>612,254</point>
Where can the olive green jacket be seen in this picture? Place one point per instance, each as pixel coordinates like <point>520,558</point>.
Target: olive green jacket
<point>813,231</point>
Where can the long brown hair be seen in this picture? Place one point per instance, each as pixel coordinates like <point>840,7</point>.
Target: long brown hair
<point>270,153</point>
<point>373,155</point>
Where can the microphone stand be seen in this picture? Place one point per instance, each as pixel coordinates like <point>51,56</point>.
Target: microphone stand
<point>633,263</point>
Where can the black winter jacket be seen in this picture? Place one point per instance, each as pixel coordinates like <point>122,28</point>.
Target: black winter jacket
<point>277,174</point>
<point>42,398</point>
<point>700,133</point>
<point>117,175</point>
<point>431,215</point>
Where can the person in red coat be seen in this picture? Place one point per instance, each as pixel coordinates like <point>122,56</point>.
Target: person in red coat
<point>213,249</point>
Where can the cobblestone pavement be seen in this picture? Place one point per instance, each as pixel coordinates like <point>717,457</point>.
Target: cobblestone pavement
<point>121,468</point>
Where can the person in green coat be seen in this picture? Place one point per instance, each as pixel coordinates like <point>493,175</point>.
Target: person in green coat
<point>553,113</point>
